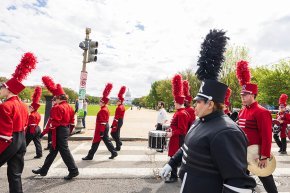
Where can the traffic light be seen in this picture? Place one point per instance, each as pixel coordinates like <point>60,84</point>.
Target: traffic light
<point>93,51</point>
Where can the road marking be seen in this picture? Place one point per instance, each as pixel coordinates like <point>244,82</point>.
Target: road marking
<point>59,161</point>
<point>124,158</point>
<point>105,173</point>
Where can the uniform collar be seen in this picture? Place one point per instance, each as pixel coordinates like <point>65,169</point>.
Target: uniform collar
<point>13,98</point>
<point>182,108</point>
<point>254,104</point>
<point>62,102</point>
<point>211,116</point>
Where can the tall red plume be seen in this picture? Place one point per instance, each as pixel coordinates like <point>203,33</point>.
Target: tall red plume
<point>107,90</point>
<point>37,94</point>
<point>49,84</point>
<point>186,88</point>
<point>283,99</point>
<point>227,97</point>
<point>243,72</point>
<point>122,92</point>
<point>177,87</point>
<point>26,65</point>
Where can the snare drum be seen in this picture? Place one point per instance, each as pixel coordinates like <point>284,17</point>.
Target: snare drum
<point>157,140</point>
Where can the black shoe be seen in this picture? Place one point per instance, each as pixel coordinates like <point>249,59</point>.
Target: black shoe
<point>113,155</point>
<point>40,172</point>
<point>118,148</point>
<point>37,156</point>
<point>71,176</point>
<point>87,158</point>
<point>160,151</point>
<point>283,152</point>
<point>280,150</point>
<point>171,180</point>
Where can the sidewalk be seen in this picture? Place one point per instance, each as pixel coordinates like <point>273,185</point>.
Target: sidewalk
<point>137,124</point>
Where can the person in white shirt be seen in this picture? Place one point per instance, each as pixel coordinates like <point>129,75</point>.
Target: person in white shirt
<point>162,115</point>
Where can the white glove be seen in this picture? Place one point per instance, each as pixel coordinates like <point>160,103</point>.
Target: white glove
<point>165,171</point>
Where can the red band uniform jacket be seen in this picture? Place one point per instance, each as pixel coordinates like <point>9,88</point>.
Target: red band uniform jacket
<point>179,126</point>
<point>101,123</point>
<point>191,113</point>
<point>256,122</point>
<point>285,117</point>
<point>119,114</point>
<point>33,121</point>
<point>13,118</point>
<point>60,115</point>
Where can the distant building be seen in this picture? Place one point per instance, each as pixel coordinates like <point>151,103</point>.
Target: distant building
<point>128,98</point>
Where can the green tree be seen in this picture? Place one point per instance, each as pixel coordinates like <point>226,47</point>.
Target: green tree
<point>233,54</point>
<point>164,92</point>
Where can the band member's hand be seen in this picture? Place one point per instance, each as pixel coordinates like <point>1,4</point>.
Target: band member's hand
<point>101,134</point>
<point>165,171</point>
<point>262,162</point>
<point>169,134</point>
<point>281,121</point>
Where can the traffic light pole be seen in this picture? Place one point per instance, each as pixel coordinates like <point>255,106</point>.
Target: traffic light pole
<point>82,89</point>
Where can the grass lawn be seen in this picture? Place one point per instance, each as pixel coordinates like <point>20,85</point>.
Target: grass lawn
<point>92,109</point>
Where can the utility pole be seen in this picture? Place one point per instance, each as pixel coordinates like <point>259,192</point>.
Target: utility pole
<point>89,55</point>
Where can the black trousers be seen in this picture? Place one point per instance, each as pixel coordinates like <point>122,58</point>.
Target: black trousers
<point>14,157</point>
<point>269,184</point>
<point>107,142</point>
<point>49,140</point>
<point>116,135</point>
<point>36,140</point>
<point>277,140</point>
<point>62,134</point>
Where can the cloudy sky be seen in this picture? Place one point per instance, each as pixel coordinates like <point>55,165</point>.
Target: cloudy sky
<point>140,41</point>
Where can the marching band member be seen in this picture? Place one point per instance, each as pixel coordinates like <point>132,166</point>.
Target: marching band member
<point>60,125</point>
<point>102,127</point>
<point>179,124</point>
<point>214,155</point>
<point>227,102</point>
<point>118,119</point>
<point>33,131</point>
<point>256,121</point>
<point>13,121</point>
<point>187,103</point>
<point>284,118</point>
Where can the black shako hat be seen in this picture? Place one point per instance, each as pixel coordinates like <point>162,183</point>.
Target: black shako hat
<point>212,90</point>
<point>210,65</point>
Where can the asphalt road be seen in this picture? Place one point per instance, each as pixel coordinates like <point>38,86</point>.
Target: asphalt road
<point>131,172</point>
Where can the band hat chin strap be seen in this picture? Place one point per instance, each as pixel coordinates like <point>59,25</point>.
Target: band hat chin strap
<point>205,96</point>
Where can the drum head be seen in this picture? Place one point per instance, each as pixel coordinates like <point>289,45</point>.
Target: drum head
<point>253,155</point>
<point>157,133</point>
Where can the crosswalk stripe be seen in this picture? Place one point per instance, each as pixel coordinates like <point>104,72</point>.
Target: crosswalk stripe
<point>126,148</point>
<point>122,172</point>
<point>126,158</point>
<point>105,172</point>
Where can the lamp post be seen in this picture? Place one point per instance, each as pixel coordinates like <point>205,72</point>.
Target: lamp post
<point>89,55</point>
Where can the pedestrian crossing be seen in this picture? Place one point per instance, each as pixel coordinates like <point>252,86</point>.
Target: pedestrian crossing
<point>134,160</point>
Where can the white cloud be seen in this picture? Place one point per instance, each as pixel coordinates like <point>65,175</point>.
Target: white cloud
<point>129,55</point>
